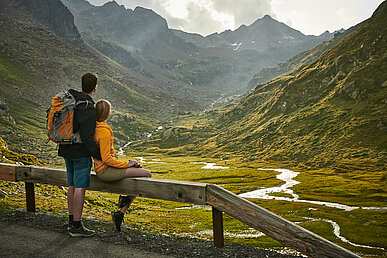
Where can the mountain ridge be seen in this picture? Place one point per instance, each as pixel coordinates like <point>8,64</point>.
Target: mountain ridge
<point>305,57</point>
<point>35,68</point>
<point>53,15</point>
<point>329,101</point>
<point>329,113</point>
<point>216,66</point>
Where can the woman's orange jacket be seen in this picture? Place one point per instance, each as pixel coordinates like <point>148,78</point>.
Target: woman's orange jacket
<point>103,136</point>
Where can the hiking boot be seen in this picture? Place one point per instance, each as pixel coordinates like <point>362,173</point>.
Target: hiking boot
<point>80,232</point>
<point>117,217</point>
<point>69,225</point>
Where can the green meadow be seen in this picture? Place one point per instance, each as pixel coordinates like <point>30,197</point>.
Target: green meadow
<point>360,226</point>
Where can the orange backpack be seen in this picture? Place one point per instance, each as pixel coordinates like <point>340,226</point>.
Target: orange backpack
<point>60,118</point>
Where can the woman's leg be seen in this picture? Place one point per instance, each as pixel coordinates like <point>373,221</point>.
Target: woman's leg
<point>134,172</point>
<point>126,201</point>
<point>137,172</point>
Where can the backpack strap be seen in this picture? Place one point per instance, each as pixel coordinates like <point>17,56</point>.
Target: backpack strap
<point>79,102</point>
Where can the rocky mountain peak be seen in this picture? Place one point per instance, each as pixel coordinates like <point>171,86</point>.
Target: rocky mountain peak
<point>54,15</point>
<point>267,17</point>
<point>113,5</point>
<point>150,14</point>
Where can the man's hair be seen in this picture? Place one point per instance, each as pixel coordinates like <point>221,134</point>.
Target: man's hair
<point>102,110</point>
<point>89,82</point>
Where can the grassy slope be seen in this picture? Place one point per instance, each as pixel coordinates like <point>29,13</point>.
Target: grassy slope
<point>320,114</point>
<point>34,68</point>
<point>359,226</point>
<point>303,58</point>
<point>330,113</point>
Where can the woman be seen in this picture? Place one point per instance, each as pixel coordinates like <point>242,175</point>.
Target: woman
<point>110,168</point>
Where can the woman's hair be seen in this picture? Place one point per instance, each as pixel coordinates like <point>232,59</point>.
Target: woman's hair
<point>103,109</point>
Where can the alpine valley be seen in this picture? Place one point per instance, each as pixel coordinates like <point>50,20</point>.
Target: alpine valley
<point>262,96</point>
<point>150,72</point>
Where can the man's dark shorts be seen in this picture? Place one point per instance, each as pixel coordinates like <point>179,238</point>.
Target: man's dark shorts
<point>78,172</point>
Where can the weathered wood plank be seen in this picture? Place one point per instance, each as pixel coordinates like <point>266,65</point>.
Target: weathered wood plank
<point>273,225</point>
<point>44,175</point>
<point>7,171</point>
<point>171,190</point>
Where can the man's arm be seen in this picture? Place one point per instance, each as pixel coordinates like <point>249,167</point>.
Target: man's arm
<point>87,119</point>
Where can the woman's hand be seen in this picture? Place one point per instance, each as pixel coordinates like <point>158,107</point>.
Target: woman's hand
<point>134,163</point>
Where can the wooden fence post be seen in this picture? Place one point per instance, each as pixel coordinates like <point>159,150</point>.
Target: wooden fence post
<point>30,197</point>
<point>217,225</point>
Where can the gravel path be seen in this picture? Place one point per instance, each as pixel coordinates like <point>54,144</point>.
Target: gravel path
<point>37,235</point>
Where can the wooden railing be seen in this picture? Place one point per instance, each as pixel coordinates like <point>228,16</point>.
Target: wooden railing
<point>220,199</point>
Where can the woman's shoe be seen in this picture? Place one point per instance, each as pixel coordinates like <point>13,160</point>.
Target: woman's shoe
<point>117,217</point>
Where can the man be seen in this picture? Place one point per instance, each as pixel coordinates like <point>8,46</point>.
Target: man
<point>78,155</point>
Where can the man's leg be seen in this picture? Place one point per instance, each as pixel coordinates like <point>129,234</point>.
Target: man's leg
<point>78,201</point>
<point>70,191</point>
<point>70,200</point>
<point>82,167</point>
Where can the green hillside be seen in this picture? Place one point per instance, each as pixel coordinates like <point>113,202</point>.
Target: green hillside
<point>328,111</point>
<point>35,64</point>
<point>303,58</point>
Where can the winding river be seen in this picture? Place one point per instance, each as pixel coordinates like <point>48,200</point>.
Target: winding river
<point>287,176</point>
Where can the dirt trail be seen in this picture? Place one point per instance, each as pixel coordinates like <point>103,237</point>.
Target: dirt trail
<point>19,240</point>
<point>37,235</point>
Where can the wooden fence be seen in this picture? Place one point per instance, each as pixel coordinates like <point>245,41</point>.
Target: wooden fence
<point>220,199</point>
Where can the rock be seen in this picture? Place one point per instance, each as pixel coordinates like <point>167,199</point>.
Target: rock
<point>381,126</point>
<point>2,194</point>
<point>4,110</point>
<point>54,15</point>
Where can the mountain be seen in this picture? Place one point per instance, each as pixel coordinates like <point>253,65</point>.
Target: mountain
<point>328,113</point>
<point>264,34</point>
<point>36,63</point>
<point>139,28</point>
<point>305,57</point>
<point>52,14</point>
<point>324,113</point>
<point>206,67</point>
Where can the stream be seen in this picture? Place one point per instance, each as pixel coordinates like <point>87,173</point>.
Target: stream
<point>287,176</point>
<point>336,231</point>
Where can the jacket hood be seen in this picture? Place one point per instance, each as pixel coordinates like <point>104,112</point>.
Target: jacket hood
<point>80,95</point>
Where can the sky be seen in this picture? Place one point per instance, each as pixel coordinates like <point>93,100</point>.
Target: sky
<point>311,17</point>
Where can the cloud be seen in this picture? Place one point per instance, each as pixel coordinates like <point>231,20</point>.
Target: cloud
<point>207,20</point>
<point>203,16</point>
<point>315,17</point>
<point>209,16</point>
<point>244,11</point>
